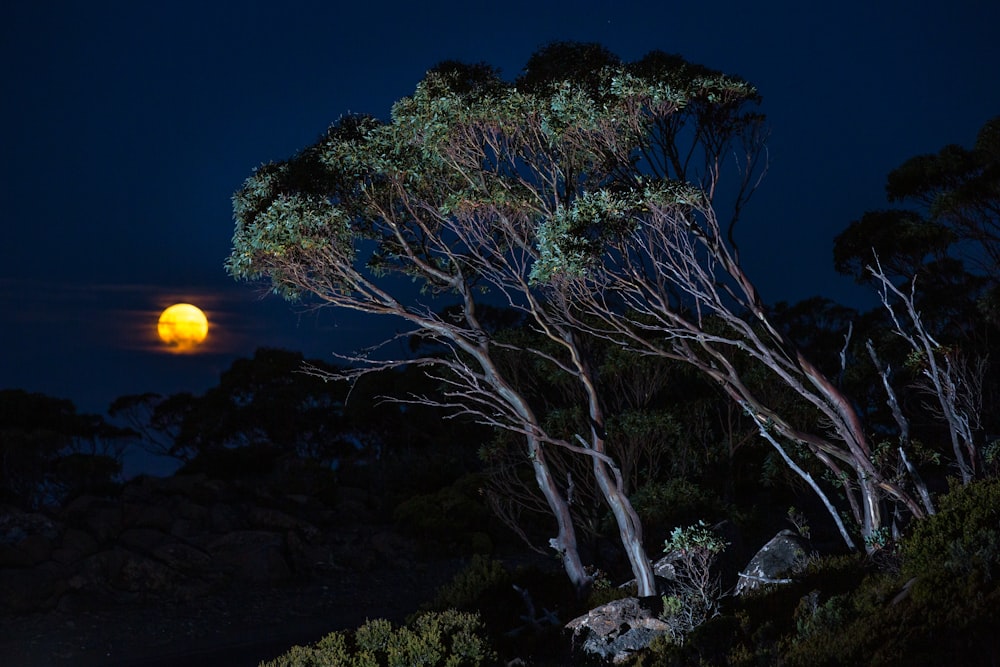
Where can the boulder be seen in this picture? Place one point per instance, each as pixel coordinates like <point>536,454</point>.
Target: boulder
<point>142,540</point>
<point>175,538</point>
<point>141,515</point>
<point>99,517</point>
<point>75,546</point>
<point>12,557</point>
<point>616,630</point>
<point>255,555</point>
<point>225,518</point>
<point>16,525</point>
<point>197,487</point>
<point>183,557</point>
<point>137,573</point>
<point>266,518</point>
<point>37,547</point>
<point>30,589</point>
<point>775,563</point>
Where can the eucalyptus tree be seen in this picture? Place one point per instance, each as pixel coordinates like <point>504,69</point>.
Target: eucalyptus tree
<point>459,191</point>
<point>592,202</point>
<point>344,222</point>
<point>936,266</point>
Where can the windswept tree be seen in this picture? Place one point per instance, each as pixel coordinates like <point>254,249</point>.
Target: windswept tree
<point>461,191</point>
<point>936,266</point>
<point>593,203</point>
<point>343,222</point>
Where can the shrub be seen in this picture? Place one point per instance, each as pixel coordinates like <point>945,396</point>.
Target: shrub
<point>961,537</point>
<point>482,579</point>
<point>450,518</point>
<point>695,592</point>
<point>938,609</point>
<point>674,502</point>
<point>435,639</point>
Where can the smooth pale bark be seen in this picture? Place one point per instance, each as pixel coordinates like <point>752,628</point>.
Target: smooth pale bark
<point>565,540</point>
<point>609,480</point>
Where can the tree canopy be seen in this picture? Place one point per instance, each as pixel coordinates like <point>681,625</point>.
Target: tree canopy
<point>599,199</point>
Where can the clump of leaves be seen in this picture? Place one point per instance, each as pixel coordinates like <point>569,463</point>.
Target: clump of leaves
<point>939,608</point>
<point>962,537</point>
<point>603,591</point>
<point>447,639</point>
<point>695,591</point>
<point>482,578</point>
<point>451,517</point>
<point>674,502</point>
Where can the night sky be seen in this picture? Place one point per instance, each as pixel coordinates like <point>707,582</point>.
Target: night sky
<point>128,125</point>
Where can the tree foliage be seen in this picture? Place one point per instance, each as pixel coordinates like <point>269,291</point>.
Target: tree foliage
<point>48,451</point>
<point>948,233</point>
<point>420,197</point>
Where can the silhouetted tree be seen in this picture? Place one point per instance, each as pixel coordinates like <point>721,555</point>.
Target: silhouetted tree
<point>947,236</point>
<point>48,451</point>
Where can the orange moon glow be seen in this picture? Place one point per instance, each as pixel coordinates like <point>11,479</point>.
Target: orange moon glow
<point>183,327</point>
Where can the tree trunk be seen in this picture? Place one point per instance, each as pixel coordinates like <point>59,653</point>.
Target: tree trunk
<point>629,525</point>
<point>629,529</point>
<point>565,540</point>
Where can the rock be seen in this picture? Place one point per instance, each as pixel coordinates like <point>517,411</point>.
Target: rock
<point>664,567</point>
<point>393,548</point>
<point>16,525</point>
<point>141,574</point>
<point>38,548</point>
<point>26,538</point>
<point>142,540</point>
<point>774,563</point>
<point>12,557</point>
<point>664,572</point>
<point>99,517</point>
<point>76,545</point>
<point>147,516</point>
<point>80,506</point>
<point>185,508</point>
<point>31,589</point>
<point>197,488</point>
<point>225,518</point>
<point>308,557</point>
<point>265,518</point>
<point>183,557</point>
<point>174,539</point>
<point>255,555</point>
<point>616,630</point>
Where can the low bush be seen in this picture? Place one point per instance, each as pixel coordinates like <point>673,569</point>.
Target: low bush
<point>434,639</point>
<point>449,519</point>
<point>475,586</point>
<point>675,502</point>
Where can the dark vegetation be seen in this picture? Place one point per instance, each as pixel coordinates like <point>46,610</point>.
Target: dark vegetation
<point>922,588</point>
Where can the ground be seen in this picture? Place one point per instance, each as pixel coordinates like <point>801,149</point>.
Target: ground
<point>239,627</point>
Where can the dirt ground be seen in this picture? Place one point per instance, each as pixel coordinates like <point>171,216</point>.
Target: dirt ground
<point>237,627</point>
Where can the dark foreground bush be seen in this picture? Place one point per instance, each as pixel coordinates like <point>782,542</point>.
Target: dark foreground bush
<point>522,609</point>
<point>435,639</point>
<point>936,605</point>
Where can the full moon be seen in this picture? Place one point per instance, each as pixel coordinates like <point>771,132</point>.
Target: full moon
<point>183,327</point>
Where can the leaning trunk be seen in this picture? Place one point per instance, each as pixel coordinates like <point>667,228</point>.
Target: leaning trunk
<point>609,480</point>
<point>565,540</point>
<point>629,529</point>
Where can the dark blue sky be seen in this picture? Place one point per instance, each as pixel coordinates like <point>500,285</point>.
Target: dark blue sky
<point>128,125</point>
